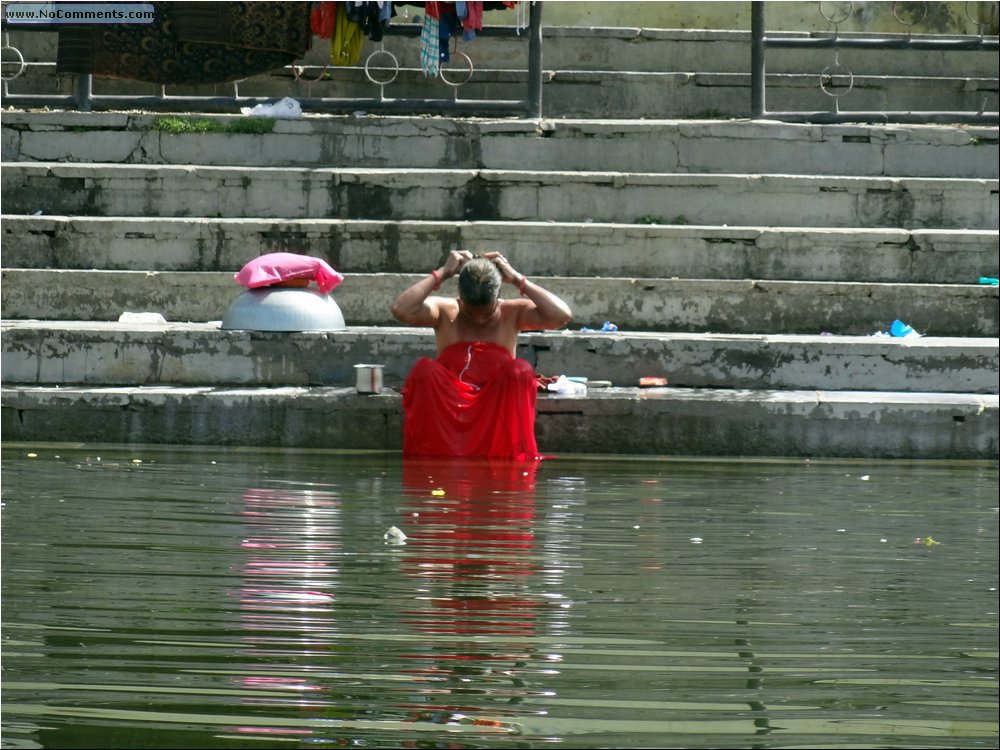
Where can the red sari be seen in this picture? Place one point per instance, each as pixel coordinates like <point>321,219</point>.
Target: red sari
<point>475,399</point>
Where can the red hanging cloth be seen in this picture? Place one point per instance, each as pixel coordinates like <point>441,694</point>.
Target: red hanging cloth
<point>322,19</point>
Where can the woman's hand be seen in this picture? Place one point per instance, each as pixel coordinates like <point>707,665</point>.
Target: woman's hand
<point>503,265</point>
<point>452,266</point>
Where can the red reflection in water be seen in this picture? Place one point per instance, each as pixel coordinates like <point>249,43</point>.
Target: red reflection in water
<point>470,525</point>
<point>471,538</point>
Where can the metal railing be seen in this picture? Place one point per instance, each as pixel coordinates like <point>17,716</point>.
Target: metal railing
<point>530,105</point>
<point>835,80</point>
<point>761,41</point>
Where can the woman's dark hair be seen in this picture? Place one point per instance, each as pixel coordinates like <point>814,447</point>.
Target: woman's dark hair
<point>479,282</point>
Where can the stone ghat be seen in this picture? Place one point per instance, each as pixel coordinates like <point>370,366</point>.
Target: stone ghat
<point>655,421</point>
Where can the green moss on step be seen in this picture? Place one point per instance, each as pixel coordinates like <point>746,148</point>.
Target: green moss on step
<point>176,125</point>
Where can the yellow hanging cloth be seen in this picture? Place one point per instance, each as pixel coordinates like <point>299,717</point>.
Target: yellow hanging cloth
<point>347,39</point>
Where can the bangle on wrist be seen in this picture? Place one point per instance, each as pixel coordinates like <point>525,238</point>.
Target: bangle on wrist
<point>437,280</point>
<point>523,285</point>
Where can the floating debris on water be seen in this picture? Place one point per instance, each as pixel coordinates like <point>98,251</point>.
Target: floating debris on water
<point>394,536</point>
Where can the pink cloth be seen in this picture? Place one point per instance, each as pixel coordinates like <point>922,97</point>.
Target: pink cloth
<point>274,268</point>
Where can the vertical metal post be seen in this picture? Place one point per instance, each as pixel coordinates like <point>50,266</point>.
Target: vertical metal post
<point>535,61</point>
<point>757,65</point>
<point>84,88</point>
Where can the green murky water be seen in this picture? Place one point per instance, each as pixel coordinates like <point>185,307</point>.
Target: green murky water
<point>212,598</point>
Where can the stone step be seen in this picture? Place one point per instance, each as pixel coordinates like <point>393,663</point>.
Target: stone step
<point>634,304</point>
<point>73,353</point>
<point>669,146</point>
<point>630,48</point>
<point>534,248</point>
<point>657,421</point>
<point>710,199</point>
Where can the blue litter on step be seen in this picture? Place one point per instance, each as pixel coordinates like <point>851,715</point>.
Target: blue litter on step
<point>900,330</point>
<point>989,280</point>
<point>608,327</point>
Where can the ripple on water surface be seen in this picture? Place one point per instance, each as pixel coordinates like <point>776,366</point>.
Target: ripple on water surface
<point>212,598</point>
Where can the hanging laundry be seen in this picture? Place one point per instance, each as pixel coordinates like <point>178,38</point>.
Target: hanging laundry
<point>451,22</point>
<point>430,46</point>
<point>190,43</point>
<point>323,16</point>
<point>442,21</point>
<point>372,17</point>
<point>447,24</point>
<point>347,39</point>
<point>472,19</point>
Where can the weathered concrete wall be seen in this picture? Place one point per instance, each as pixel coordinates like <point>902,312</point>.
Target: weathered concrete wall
<point>654,95</point>
<point>535,248</point>
<point>292,417</point>
<point>942,17</point>
<point>670,421</point>
<point>762,423</point>
<point>676,146</point>
<point>756,393</point>
<point>636,304</point>
<point>710,199</point>
<point>77,353</point>
<point>664,95</point>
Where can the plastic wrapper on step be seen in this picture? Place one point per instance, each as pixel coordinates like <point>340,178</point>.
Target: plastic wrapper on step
<point>283,109</point>
<point>153,318</point>
<point>567,386</point>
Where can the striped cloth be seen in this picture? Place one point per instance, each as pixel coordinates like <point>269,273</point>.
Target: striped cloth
<point>430,47</point>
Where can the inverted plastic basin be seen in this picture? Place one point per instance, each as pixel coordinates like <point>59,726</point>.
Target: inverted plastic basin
<point>283,309</point>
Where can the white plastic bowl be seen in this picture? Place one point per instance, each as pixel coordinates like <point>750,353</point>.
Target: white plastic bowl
<point>283,309</point>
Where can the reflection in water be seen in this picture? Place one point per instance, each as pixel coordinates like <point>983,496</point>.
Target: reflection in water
<point>224,599</point>
<point>466,564</point>
<point>471,562</point>
<point>287,595</point>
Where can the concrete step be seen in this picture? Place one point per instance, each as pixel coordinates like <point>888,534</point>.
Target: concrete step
<point>659,421</point>
<point>535,248</point>
<point>634,304</point>
<point>72,353</point>
<point>667,146</point>
<point>764,383</point>
<point>710,199</point>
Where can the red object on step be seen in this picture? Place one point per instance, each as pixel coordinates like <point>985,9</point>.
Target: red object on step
<point>649,382</point>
